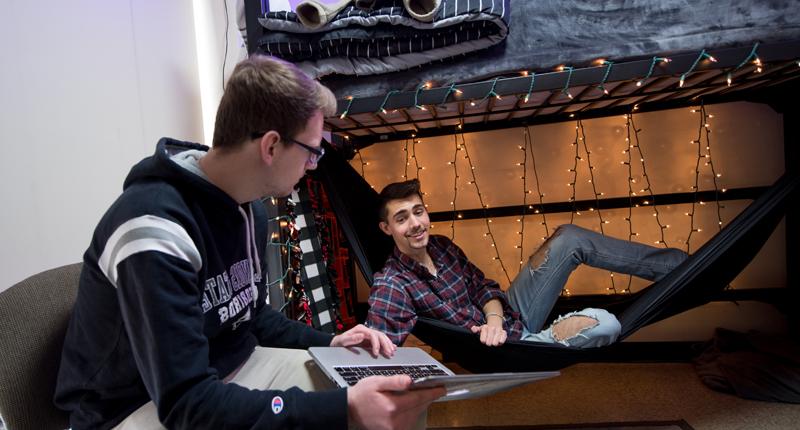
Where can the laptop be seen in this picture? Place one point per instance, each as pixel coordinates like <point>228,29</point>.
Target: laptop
<point>346,366</point>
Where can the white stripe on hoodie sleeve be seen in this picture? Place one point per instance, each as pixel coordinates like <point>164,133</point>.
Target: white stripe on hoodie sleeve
<point>147,233</point>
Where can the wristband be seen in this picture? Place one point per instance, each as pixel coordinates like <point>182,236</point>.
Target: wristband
<point>490,314</point>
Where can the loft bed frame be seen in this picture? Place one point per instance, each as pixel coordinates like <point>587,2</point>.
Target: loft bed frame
<point>643,83</point>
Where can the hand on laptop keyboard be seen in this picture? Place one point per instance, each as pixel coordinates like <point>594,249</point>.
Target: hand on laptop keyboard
<point>353,374</point>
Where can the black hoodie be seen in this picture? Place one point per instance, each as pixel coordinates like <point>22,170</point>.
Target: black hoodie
<point>170,303</point>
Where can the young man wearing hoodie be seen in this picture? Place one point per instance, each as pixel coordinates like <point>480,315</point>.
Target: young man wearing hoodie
<point>171,328</point>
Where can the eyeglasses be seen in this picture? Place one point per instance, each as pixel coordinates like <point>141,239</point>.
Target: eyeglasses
<point>315,153</point>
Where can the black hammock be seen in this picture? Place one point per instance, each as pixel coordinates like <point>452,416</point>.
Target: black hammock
<point>710,269</point>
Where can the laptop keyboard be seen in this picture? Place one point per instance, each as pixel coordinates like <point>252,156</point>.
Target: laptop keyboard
<point>353,374</point>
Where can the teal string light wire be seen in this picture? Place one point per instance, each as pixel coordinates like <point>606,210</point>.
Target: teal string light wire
<point>652,67</point>
<point>416,95</point>
<point>491,91</point>
<point>703,54</point>
<point>385,99</point>
<point>530,88</point>
<point>745,61</point>
<point>347,109</point>
<point>565,90</point>
<point>281,218</point>
<point>602,86</point>
<point>451,89</point>
<point>285,274</point>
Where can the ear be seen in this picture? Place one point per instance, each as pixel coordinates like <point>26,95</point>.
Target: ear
<point>268,146</point>
<point>384,228</point>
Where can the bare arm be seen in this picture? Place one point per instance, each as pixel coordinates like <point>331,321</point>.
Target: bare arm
<point>492,333</point>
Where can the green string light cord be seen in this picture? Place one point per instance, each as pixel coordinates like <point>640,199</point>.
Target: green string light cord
<point>602,86</point>
<point>565,90</point>
<point>491,92</point>
<point>530,88</point>
<point>347,109</point>
<point>382,109</point>
<point>416,95</point>
<point>653,62</point>
<point>484,206</point>
<point>451,89</point>
<point>703,55</point>
<point>753,53</point>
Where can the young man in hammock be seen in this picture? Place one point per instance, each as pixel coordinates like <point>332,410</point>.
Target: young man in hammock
<point>430,276</point>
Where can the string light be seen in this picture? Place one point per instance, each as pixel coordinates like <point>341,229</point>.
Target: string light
<point>582,137</point>
<point>361,159</point>
<point>405,150</point>
<point>704,130</point>
<point>349,103</point>
<point>416,96</point>
<point>414,142</point>
<point>485,206</point>
<point>631,125</point>
<point>363,163</point>
<point>524,177</point>
<point>451,89</point>
<point>565,90</point>
<point>703,55</point>
<point>529,145</point>
<point>602,86</point>
<point>752,55</point>
<point>530,87</point>
<point>455,188</point>
<point>653,62</point>
<point>489,94</point>
<point>385,99</point>
<point>574,181</point>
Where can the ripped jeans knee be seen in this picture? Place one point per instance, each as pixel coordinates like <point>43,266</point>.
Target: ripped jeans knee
<point>597,328</point>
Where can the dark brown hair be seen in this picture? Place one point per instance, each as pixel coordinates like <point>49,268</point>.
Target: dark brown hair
<point>265,93</point>
<point>396,191</point>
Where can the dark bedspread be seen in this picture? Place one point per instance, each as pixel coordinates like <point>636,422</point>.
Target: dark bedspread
<point>546,33</point>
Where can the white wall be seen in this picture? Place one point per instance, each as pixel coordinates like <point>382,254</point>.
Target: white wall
<point>86,89</point>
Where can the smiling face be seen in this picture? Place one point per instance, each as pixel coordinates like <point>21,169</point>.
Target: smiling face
<point>408,224</point>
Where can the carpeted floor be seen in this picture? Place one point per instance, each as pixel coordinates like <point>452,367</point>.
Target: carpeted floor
<point>672,425</point>
<point>615,393</point>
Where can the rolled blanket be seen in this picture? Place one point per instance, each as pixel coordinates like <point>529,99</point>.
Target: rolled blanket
<point>422,10</point>
<point>316,13</point>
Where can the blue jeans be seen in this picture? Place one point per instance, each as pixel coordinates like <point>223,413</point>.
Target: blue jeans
<point>534,291</point>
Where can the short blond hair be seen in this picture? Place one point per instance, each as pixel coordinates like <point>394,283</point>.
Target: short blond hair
<point>266,93</point>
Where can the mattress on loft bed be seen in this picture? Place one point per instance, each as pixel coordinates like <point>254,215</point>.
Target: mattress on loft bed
<point>544,34</point>
<point>384,39</point>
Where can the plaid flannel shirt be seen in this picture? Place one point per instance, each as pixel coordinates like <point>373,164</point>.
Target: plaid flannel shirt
<point>404,290</point>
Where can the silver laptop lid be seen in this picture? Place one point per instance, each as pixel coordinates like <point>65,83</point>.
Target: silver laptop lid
<point>458,386</point>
